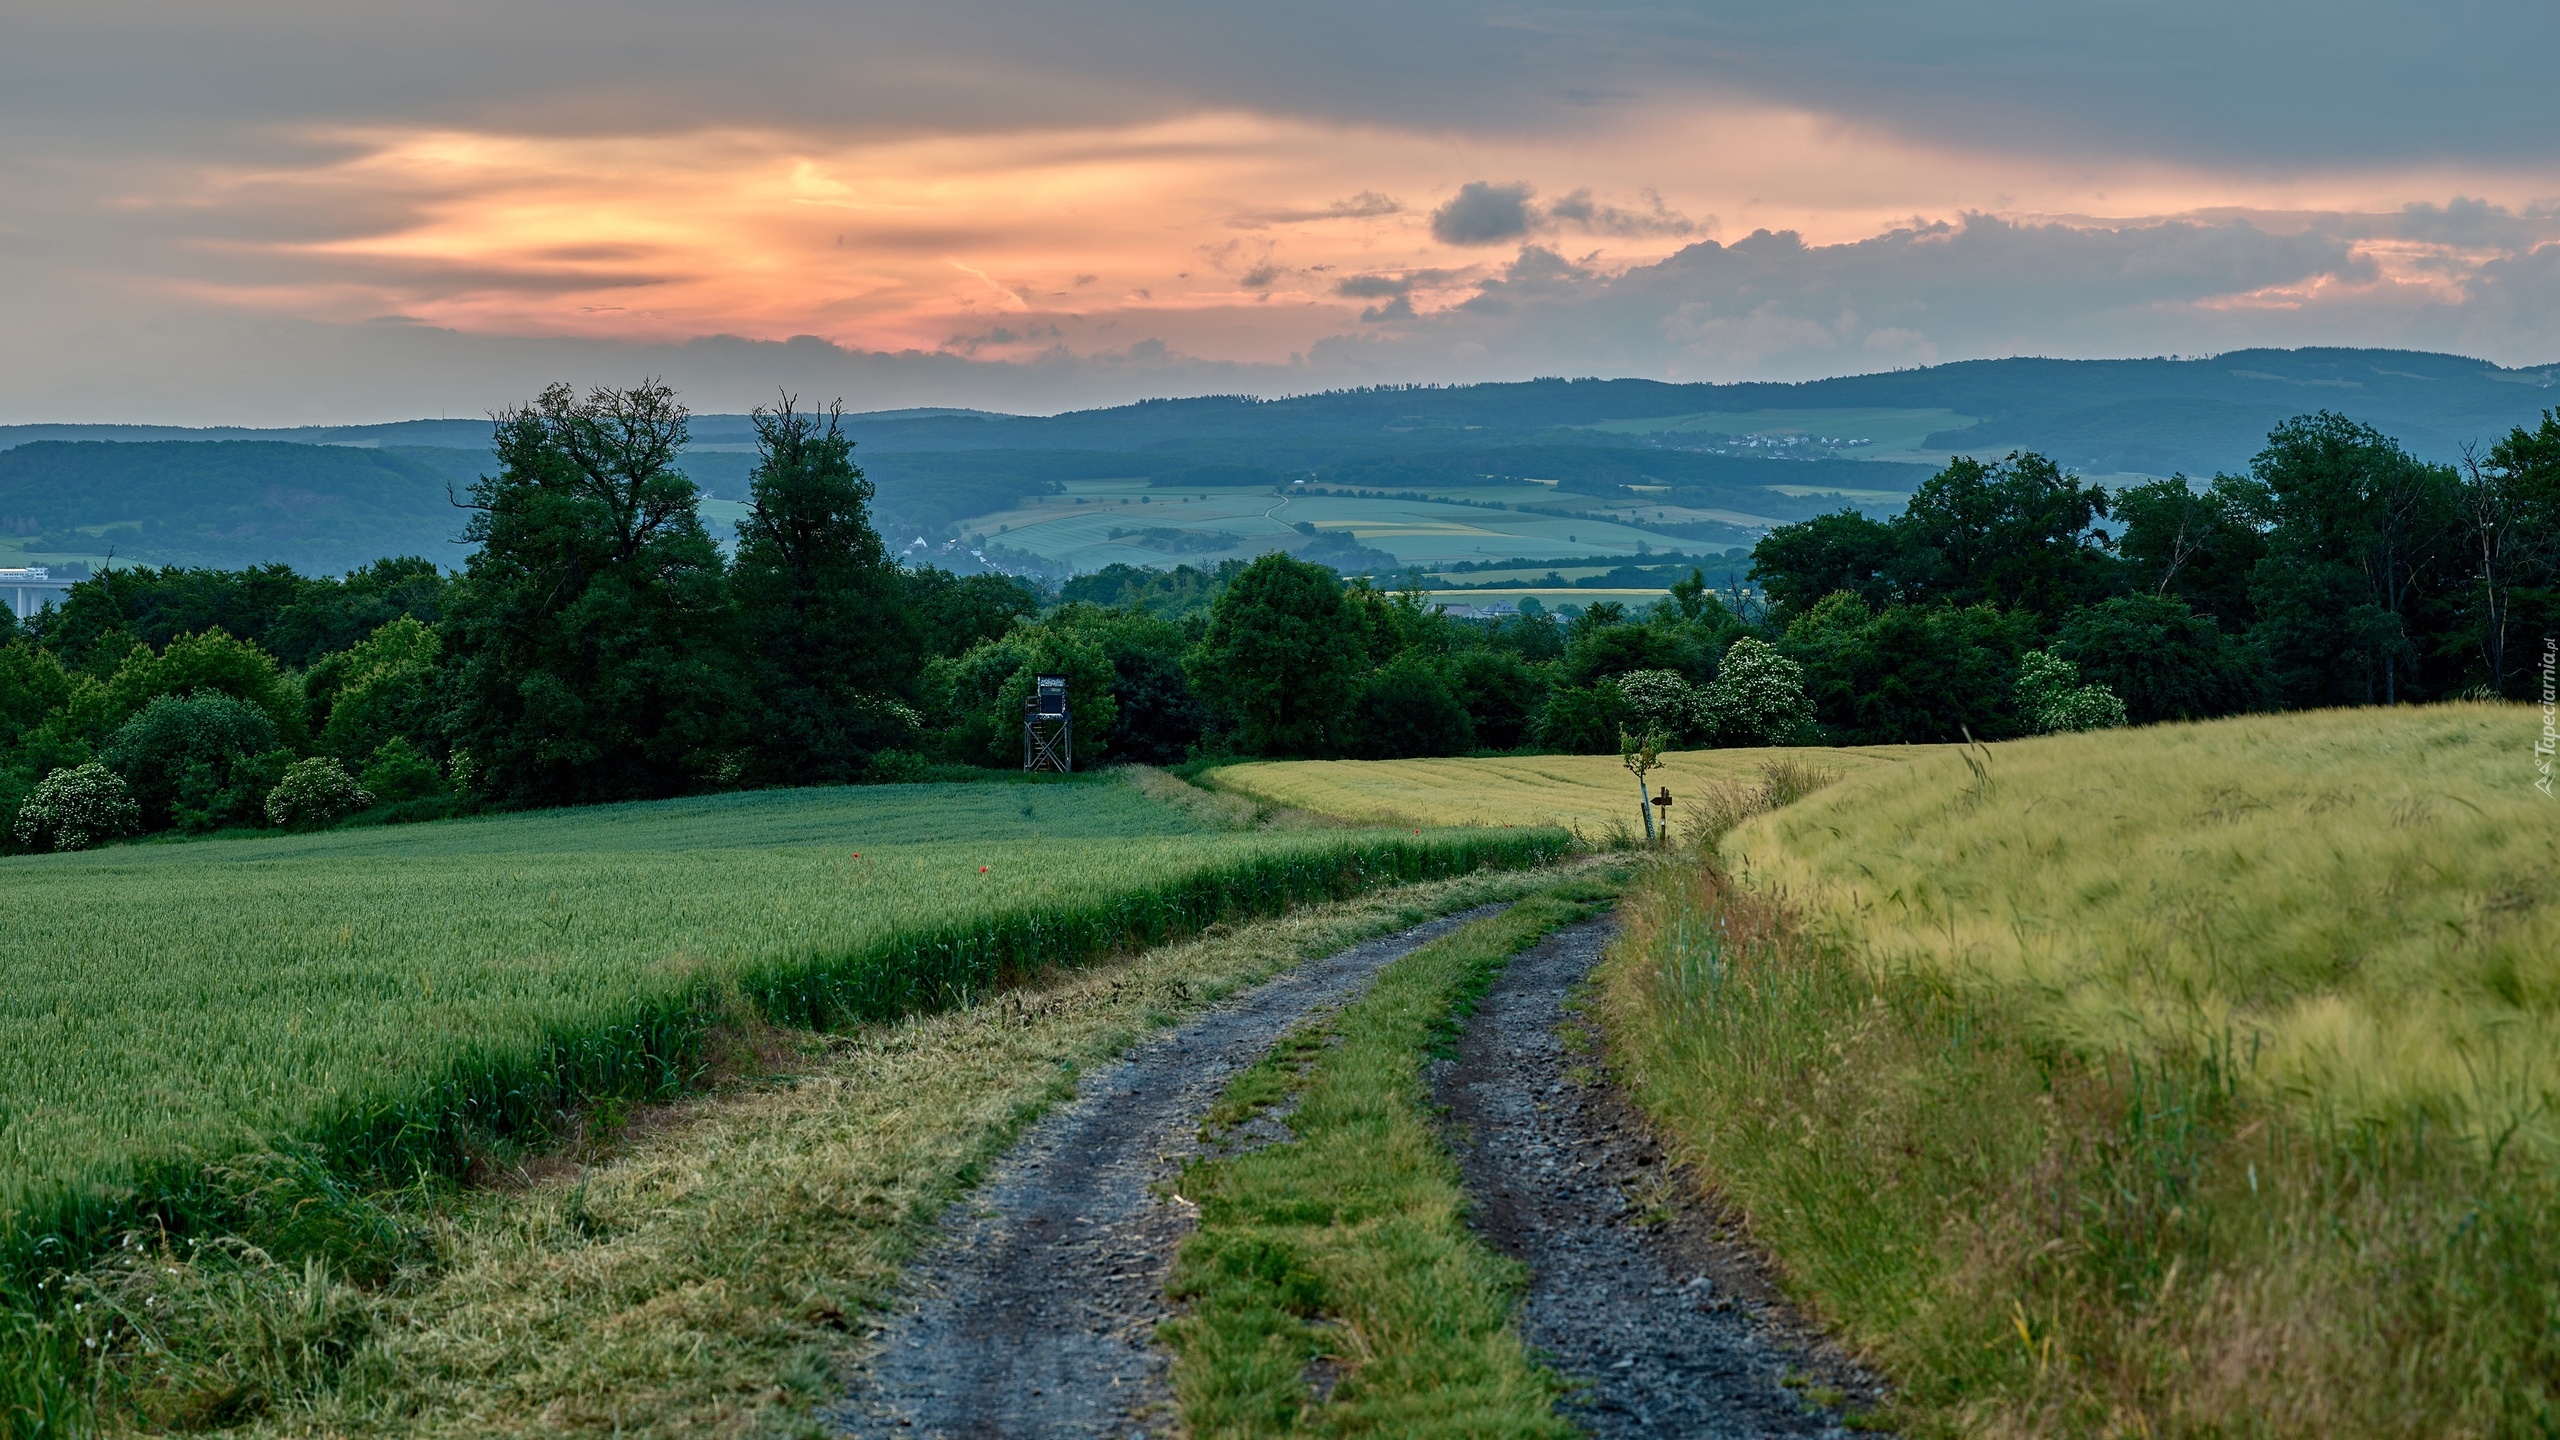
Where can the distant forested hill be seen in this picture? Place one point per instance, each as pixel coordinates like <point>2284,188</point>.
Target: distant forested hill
<point>330,497</point>
<point>319,508</point>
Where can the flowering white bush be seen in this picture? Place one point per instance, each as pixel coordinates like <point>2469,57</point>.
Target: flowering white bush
<point>1662,701</point>
<point>1757,698</point>
<point>315,792</point>
<point>2051,697</point>
<point>75,809</point>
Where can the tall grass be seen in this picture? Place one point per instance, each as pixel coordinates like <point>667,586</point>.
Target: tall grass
<point>1915,1036</point>
<point>2362,906</point>
<point>345,1012</point>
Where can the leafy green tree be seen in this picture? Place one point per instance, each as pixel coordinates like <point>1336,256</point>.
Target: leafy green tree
<point>2509,509</point>
<point>192,664</point>
<point>381,689</point>
<point>1160,717</point>
<point>1500,693</point>
<point>593,654</point>
<point>1281,659</point>
<point>1907,675</point>
<point>1533,634</point>
<point>2163,659</point>
<point>199,762</point>
<point>821,605</point>
<point>2356,528</point>
<point>2018,533</point>
<point>1586,719</point>
<point>2198,546</point>
<point>1797,566</point>
<point>1405,709</point>
<point>980,698</point>
<point>398,773</point>
<point>1605,651</point>
<point>1757,698</point>
<point>33,685</point>
<point>104,616</point>
<point>333,613</point>
<point>951,613</point>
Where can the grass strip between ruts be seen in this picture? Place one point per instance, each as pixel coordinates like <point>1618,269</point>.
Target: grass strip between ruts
<point>1346,1247</point>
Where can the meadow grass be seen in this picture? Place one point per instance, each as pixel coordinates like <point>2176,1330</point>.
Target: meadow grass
<point>2184,1081</point>
<point>1592,795</point>
<point>1347,1244</point>
<point>378,1004</point>
<point>708,1267</point>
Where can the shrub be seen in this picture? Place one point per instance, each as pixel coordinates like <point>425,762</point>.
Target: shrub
<point>398,772</point>
<point>2051,697</point>
<point>1499,692</point>
<point>199,762</point>
<point>1405,709</point>
<point>2165,661</point>
<point>76,808</point>
<point>1757,698</point>
<point>317,791</point>
<point>1661,701</point>
<point>1586,720</point>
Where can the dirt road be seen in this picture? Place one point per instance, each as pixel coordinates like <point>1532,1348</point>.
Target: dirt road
<point>1037,1318</point>
<point>1668,1326</point>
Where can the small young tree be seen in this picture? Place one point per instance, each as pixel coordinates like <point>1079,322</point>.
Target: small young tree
<point>73,809</point>
<point>1641,757</point>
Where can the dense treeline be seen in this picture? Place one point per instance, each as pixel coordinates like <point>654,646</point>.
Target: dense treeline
<point>599,646</point>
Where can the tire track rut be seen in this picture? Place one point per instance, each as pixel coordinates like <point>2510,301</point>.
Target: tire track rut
<point>1665,1321</point>
<point>1037,1318</point>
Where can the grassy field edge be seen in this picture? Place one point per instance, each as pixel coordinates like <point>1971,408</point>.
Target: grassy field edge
<point>2034,1237</point>
<point>1347,1245</point>
<point>299,1198</point>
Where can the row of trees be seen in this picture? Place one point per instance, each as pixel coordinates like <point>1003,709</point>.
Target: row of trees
<point>2340,570</point>
<point>599,646</point>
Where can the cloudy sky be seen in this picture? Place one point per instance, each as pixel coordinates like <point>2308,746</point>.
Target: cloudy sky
<point>270,211</point>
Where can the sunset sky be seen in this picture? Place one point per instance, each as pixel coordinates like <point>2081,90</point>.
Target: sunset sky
<point>286,211</point>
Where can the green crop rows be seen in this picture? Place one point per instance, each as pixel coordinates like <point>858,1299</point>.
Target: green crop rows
<point>397,998</point>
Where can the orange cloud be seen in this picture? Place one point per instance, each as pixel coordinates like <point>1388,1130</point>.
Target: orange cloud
<point>1223,234</point>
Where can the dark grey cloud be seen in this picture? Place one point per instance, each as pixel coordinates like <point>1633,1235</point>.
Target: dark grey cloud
<point>1482,213</point>
<point>2277,83</point>
<point>1771,306</point>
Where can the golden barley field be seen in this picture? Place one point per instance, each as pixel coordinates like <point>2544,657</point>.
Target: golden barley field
<point>2361,906</point>
<point>1586,793</point>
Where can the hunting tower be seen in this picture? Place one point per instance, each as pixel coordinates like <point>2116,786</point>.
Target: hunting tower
<point>1048,735</point>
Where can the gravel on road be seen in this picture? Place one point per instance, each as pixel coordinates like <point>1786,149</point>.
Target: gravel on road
<point>1665,1322</point>
<point>1037,1318</point>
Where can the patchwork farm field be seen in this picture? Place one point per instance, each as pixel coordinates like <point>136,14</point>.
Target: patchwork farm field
<point>401,997</point>
<point>1203,526</point>
<point>1585,793</point>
